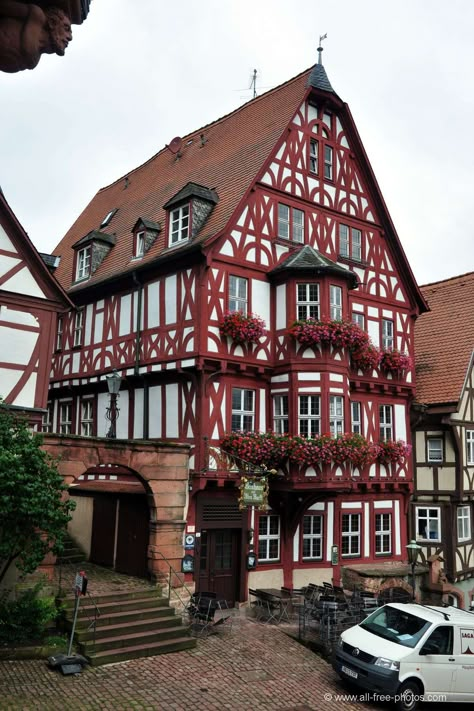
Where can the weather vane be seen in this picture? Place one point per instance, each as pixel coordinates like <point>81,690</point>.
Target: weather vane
<point>320,49</point>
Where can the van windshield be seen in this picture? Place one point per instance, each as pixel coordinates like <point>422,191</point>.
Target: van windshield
<point>396,625</point>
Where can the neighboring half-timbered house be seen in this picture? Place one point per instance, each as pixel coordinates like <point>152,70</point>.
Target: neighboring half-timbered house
<point>30,300</point>
<point>271,210</point>
<point>444,432</point>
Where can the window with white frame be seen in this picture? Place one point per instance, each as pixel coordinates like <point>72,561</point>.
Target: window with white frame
<point>238,294</point>
<point>309,415</point>
<point>179,224</point>
<point>336,415</point>
<point>335,302</point>
<point>243,410</point>
<point>307,301</point>
<point>47,419</point>
<point>358,319</point>
<point>383,533</point>
<point>268,538</point>
<point>78,328</point>
<point>65,417</point>
<point>328,162</point>
<point>87,417</point>
<point>290,223</point>
<point>428,523</point>
<point>386,422</point>
<point>356,417</point>
<point>350,534</point>
<point>312,537</point>
<point>313,156</point>
<point>59,333</point>
<point>280,414</point>
<point>387,334</point>
<point>463,515</point>
<point>470,446</point>
<point>139,245</point>
<point>435,449</point>
<point>350,242</point>
<point>83,264</point>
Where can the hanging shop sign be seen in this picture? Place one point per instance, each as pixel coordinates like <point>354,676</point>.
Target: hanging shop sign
<point>187,563</point>
<point>334,555</point>
<point>254,492</point>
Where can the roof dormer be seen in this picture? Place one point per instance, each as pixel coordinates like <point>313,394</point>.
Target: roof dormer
<point>145,233</point>
<point>91,251</point>
<point>188,211</point>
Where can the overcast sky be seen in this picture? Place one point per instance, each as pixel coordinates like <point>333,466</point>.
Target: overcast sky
<point>139,73</point>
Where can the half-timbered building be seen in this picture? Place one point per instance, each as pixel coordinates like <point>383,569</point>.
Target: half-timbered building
<point>443,420</point>
<point>272,210</point>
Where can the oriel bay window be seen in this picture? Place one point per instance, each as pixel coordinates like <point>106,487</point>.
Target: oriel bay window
<point>386,422</point>
<point>307,301</point>
<point>387,334</point>
<point>309,415</point>
<point>238,294</point>
<point>280,414</point>
<point>243,410</point>
<point>268,538</point>
<point>335,302</point>
<point>336,415</point>
<point>383,533</point>
<point>312,537</point>
<point>290,223</point>
<point>356,417</point>
<point>350,534</point>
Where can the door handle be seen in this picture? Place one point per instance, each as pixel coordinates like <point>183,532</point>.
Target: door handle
<point>451,659</point>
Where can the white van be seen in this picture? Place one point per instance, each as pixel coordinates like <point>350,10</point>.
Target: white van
<point>410,653</point>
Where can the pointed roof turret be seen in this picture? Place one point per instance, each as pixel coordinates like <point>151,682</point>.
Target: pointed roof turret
<point>318,78</point>
<point>308,259</point>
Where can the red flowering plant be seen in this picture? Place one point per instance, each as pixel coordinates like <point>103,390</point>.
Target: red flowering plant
<point>392,451</point>
<point>342,334</point>
<point>366,358</point>
<point>259,448</point>
<point>242,328</point>
<point>393,361</point>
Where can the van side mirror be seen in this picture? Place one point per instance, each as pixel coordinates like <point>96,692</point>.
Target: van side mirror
<point>429,648</point>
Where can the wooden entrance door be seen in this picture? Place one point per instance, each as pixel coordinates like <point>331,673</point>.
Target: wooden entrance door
<point>132,536</point>
<point>103,530</point>
<point>219,562</point>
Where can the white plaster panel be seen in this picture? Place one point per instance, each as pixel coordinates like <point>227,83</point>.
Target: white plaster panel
<point>243,216</point>
<point>125,314</point>
<point>383,504</point>
<point>330,529</point>
<point>280,378</point>
<point>227,248</point>
<point>122,421</point>
<point>22,282</point>
<point>296,545</point>
<point>170,299</point>
<point>153,303</point>
<point>5,242</point>
<point>98,327</point>
<point>318,506</point>
<point>281,318</point>
<point>16,346</point>
<point>155,411</point>
<point>172,410</point>
<point>138,414</point>
<point>188,362</point>
<point>372,311</point>
<point>263,411</point>
<point>400,422</point>
<point>351,505</point>
<point>280,250</point>
<point>374,332</point>
<point>366,530</point>
<point>102,423</point>
<point>75,361</point>
<point>336,377</point>
<point>88,324</point>
<point>387,314</point>
<point>309,376</point>
<point>17,317</point>
<point>261,299</point>
<point>398,542</point>
<point>315,389</point>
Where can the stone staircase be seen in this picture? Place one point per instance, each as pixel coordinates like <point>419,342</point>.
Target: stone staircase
<point>71,554</point>
<point>131,624</point>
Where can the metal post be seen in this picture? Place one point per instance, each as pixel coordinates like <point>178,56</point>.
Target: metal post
<point>76,611</point>
<point>112,416</point>
<point>413,579</point>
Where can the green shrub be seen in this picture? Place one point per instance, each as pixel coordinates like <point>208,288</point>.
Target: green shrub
<point>27,618</point>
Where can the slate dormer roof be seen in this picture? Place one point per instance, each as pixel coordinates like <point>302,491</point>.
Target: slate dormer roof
<point>309,260</point>
<point>192,190</point>
<point>444,340</point>
<point>95,236</point>
<point>147,224</point>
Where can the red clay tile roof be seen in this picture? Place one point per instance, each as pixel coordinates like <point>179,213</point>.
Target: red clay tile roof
<point>236,147</point>
<point>444,340</point>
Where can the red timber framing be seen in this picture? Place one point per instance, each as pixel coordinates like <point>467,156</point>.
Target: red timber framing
<point>290,206</point>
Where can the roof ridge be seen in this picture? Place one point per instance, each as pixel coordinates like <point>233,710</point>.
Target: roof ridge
<point>207,125</point>
<point>449,279</point>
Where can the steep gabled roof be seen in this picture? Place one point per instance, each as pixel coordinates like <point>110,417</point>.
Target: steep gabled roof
<point>444,340</point>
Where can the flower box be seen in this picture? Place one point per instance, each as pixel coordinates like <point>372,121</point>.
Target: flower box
<point>340,334</point>
<point>242,328</point>
<point>393,361</point>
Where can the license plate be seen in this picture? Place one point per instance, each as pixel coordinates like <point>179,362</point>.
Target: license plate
<point>349,672</point>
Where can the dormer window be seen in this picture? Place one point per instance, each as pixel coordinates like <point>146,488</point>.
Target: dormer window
<point>108,217</point>
<point>140,245</point>
<point>144,232</point>
<point>179,224</point>
<point>83,263</point>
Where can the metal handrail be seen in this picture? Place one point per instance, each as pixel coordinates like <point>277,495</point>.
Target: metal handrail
<point>180,577</point>
<point>72,569</point>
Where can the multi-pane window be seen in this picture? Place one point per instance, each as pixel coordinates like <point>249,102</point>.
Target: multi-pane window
<point>350,534</point>
<point>87,418</point>
<point>179,224</point>
<point>470,446</point>
<point>336,415</point>
<point>268,538</point>
<point>383,533</point>
<point>335,302</point>
<point>428,524</point>
<point>328,162</point>
<point>243,410</point>
<point>83,265</point>
<point>307,304</point>
<point>386,422</point>
<point>387,334</point>
<point>238,294</point>
<point>313,156</point>
<point>280,414</point>
<point>290,223</point>
<point>140,244</point>
<point>464,523</point>
<point>313,537</point>
<point>309,415</point>
<point>356,417</point>
<point>350,242</point>
<point>358,319</point>
<point>47,420</point>
<point>59,333</point>
<point>78,328</point>
<point>65,417</point>
<point>435,449</point>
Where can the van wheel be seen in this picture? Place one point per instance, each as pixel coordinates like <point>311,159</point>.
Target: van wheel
<point>409,694</point>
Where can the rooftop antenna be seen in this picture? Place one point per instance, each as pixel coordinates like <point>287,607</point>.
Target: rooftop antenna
<point>253,84</point>
<point>320,49</point>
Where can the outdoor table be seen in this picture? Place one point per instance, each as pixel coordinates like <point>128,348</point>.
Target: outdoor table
<point>279,611</point>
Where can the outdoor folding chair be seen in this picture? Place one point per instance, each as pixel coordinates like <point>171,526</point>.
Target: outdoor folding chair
<point>255,604</point>
<point>202,613</point>
<point>271,608</point>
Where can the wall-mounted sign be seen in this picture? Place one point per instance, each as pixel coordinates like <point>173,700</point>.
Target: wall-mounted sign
<point>187,564</point>
<point>251,560</point>
<point>189,541</point>
<point>334,555</point>
<point>254,492</point>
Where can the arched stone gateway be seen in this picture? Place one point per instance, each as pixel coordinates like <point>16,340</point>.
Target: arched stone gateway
<point>156,472</point>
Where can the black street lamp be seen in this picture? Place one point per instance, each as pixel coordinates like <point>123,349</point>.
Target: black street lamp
<point>413,550</point>
<point>112,412</point>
